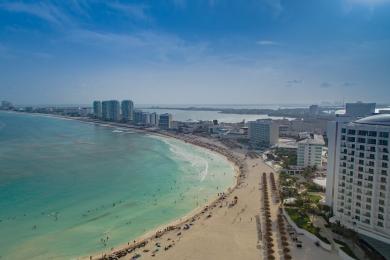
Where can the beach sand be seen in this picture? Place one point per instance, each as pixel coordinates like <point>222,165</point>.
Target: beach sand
<point>220,231</point>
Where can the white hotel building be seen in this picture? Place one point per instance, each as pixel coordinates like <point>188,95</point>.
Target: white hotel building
<point>358,184</point>
<point>309,151</point>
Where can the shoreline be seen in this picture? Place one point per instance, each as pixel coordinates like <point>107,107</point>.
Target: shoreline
<point>140,241</point>
<point>122,250</point>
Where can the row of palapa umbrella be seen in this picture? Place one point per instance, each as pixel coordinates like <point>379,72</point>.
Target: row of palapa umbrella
<point>268,223</point>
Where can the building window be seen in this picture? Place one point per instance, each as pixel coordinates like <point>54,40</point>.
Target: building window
<point>361,140</point>
<point>372,133</point>
<point>380,224</point>
<point>383,142</point>
<point>362,132</point>
<point>384,134</point>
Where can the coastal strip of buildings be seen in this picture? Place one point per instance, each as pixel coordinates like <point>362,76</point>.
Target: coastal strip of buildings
<point>124,112</point>
<point>352,149</point>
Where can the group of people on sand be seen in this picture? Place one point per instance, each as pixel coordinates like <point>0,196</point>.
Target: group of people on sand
<point>186,224</point>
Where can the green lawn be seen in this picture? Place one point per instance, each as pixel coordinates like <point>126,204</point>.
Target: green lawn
<point>314,198</point>
<point>302,220</point>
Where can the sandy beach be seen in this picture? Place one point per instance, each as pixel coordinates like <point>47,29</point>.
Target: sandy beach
<point>229,227</point>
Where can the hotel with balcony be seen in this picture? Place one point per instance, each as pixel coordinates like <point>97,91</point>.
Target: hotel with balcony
<point>358,185</point>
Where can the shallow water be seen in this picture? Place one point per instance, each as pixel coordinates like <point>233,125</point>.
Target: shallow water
<point>65,186</point>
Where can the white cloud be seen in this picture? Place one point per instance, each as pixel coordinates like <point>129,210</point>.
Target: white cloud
<point>133,10</point>
<point>267,42</point>
<point>158,46</point>
<point>44,11</point>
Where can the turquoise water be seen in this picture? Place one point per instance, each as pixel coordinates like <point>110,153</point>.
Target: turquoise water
<point>66,185</point>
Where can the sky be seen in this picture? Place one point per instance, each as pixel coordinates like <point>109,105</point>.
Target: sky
<point>195,51</point>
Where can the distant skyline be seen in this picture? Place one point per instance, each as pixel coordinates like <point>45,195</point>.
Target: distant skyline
<point>195,52</point>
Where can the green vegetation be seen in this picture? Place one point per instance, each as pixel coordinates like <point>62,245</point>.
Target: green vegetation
<point>303,221</point>
<point>287,157</point>
<point>345,248</point>
<point>314,198</point>
<point>309,171</point>
<point>313,187</point>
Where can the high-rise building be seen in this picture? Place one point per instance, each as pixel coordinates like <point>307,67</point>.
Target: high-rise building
<point>154,119</point>
<point>97,109</point>
<point>138,117</point>
<point>309,151</point>
<point>145,118</point>
<point>263,132</point>
<point>360,109</point>
<point>314,110</point>
<point>358,184</point>
<point>111,110</point>
<point>6,105</point>
<point>127,110</point>
<point>165,121</point>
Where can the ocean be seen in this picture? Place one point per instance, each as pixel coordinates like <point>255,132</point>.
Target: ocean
<point>67,186</point>
<point>189,115</point>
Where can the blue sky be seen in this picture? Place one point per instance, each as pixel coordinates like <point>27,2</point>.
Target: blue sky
<point>195,52</point>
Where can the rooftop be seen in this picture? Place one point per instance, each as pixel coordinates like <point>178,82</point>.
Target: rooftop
<point>313,139</point>
<point>381,119</point>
